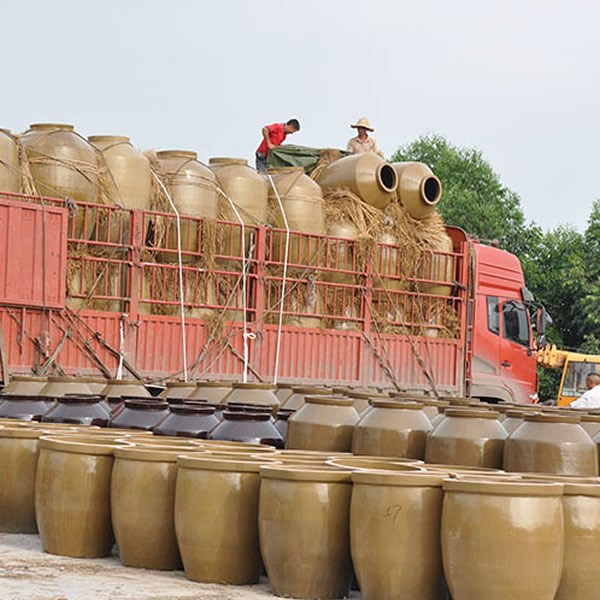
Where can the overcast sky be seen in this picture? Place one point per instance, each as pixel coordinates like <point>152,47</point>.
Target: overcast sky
<point>518,79</point>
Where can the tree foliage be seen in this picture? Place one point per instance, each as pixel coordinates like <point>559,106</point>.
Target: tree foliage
<point>561,266</point>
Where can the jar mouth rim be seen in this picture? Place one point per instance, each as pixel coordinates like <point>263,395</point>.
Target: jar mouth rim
<point>321,473</point>
<point>329,400</point>
<point>503,487</point>
<point>230,415</point>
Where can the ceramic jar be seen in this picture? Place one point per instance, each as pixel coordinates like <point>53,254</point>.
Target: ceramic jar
<point>216,519</point>
<point>303,519</point>
<point>25,385</point>
<point>248,427</point>
<point>213,392</point>
<point>467,436</point>
<point>79,410</point>
<point>140,413</point>
<point>142,507</point>
<point>392,428</point>
<point>591,423</point>
<point>18,462</point>
<point>551,443</point>
<point>72,496</point>
<point>58,386</point>
<point>27,408</point>
<point>323,423</point>
<point>117,389</point>
<point>283,392</point>
<point>502,539</point>
<point>281,420</point>
<point>431,407</point>
<point>188,420</point>
<point>262,394</point>
<point>296,399</point>
<point>362,399</point>
<point>580,575</point>
<point>178,389</point>
<point>513,418</point>
<point>395,535</point>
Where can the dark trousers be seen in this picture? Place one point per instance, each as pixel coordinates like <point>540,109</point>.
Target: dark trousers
<point>261,163</point>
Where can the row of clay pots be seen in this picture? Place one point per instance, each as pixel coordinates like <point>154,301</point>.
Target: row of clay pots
<point>312,520</point>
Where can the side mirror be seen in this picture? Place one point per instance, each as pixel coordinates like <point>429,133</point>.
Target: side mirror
<point>543,319</point>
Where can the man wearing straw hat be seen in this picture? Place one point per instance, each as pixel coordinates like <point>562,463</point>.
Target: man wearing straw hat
<point>362,142</point>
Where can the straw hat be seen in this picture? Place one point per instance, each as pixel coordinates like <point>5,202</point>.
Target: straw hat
<point>363,122</point>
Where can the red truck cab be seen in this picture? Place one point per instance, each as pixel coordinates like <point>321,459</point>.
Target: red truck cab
<point>503,362</point>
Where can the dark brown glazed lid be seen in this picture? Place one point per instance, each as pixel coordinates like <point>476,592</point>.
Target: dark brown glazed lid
<point>145,404</point>
<point>81,399</point>
<point>229,415</point>
<point>191,409</point>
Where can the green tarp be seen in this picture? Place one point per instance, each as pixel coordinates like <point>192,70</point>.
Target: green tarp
<point>289,155</point>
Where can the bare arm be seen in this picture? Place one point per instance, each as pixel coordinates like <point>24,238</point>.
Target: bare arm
<point>265,132</point>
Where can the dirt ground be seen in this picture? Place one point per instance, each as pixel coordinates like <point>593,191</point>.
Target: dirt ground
<point>27,573</point>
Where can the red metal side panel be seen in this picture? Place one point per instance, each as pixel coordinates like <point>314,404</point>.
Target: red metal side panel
<point>312,355</point>
<point>33,247</point>
<point>159,349</point>
<point>441,357</point>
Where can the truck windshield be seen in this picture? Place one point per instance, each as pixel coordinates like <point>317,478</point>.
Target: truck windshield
<point>574,383</point>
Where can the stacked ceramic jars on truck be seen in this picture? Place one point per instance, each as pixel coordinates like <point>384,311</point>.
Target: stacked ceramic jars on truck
<point>296,203</point>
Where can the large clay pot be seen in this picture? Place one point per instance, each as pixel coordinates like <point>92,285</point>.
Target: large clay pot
<point>188,421</point>
<point>10,174</point>
<point>502,539</point>
<point>129,178</point>
<point>395,535</point>
<point>591,423</point>
<point>248,190</point>
<point>28,408</point>
<point>362,399</point>
<point>392,428</point>
<point>551,443</point>
<point>262,394</point>
<point>140,413</point>
<point>302,201</point>
<point>375,463</point>
<point>178,390</point>
<point>142,507</point>
<point>248,427</point>
<point>431,407</point>
<point>467,436</point>
<point>296,398</point>
<point>211,391</point>
<point>367,175</point>
<point>419,190</point>
<point>25,385</point>
<point>79,410</point>
<point>281,420</point>
<point>512,419</point>
<point>580,575</point>
<point>216,508</point>
<point>18,462</point>
<point>117,389</point>
<point>307,510</point>
<point>283,392</point>
<point>72,496</point>
<point>63,164</point>
<point>323,423</point>
<point>58,386</point>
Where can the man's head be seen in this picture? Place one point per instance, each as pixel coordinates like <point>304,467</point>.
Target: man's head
<point>362,132</point>
<point>292,126</point>
<point>592,380</point>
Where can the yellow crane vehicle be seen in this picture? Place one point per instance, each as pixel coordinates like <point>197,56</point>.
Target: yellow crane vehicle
<point>575,367</point>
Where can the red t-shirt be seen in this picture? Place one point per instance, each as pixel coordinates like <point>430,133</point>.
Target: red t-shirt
<point>276,135</point>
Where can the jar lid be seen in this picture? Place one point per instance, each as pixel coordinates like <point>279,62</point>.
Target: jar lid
<point>80,399</point>
<point>321,474</point>
<point>190,154</point>
<point>396,404</point>
<point>253,386</point>
<point>230,415</point>
<point>145,403</point>
<point>551,418</point>
<point>402,479</point>
<point>224,161</point>
<point>506,487</point>
<point>63,126</point>
<point>471,413</point>
<point>317,391</point>
<point>214,384</point>
<point>329,400</point>
<point>238,464</point>
<point>121,139</point>
<point>156,453</point>
<point>80,444</point>
<point>192,409</point>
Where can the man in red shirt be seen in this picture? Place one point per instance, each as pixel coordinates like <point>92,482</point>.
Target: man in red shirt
<point>273,136</point>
